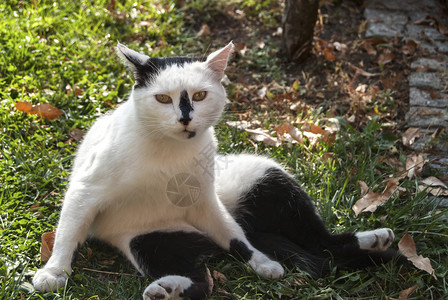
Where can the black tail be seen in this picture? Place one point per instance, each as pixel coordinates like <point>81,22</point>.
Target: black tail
<point>280,219</point>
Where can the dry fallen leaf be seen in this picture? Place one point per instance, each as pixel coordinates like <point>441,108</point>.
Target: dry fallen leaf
<point>434,186</point>
<point>364,187</point>
<point>409,48</point>
<point>209,281</point>
<point>261,135</point>
<point>368,44</point>
<point>76,134</point>
<point>434,181</point>
<point>219,277</point>
<point>107,262</point>
<point>410,135</point>
<point>46,247</point>
<point>371,200</point>
<point>204,31</point>
<point>312,137</point>
<point>414,165</point>
<point>408,249</point>
<point>41,109</point>
<point>404,294</point>
<point>329,54</point>
<point>384,58</point>
<point>311,127</point>
<point>289,133</point>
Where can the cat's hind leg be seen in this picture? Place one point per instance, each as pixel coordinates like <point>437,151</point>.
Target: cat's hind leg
<point>277,208</point>
<point>172,257</point>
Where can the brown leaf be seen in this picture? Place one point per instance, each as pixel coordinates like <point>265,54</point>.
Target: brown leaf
<point>41,109</point>
<point>313,128</point>
<point>209,281</point>
<point>287,130</point>
<point>261,135</point>
<point>312,137</point>
<point>414,165</point>
<point>368,44</point>
<point>46,247</point>
<point>384,58</point>
<point>107,262</point>
<point>364,187</point>
<point>76,134</point>
<point>221,278</point>
<point>434,186</point>
<point>204,31</point>
<point>372,200</point>
<point>404,294</point>
<point>328,53</point>
<point>434,181</point>
<point>369,47</point>
<point>409,250</point>
<point>78,91</point>
<point>329,136</point>
<point>410,135</point>
<point>409,48</point>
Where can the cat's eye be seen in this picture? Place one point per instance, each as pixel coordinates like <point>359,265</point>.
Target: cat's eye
<point>162,98</point>
<point>199,96</point>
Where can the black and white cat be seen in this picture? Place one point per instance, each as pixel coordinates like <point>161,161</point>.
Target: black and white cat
<point>146,180</point>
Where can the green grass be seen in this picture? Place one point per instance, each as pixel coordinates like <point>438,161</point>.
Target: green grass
<point>61,53</point>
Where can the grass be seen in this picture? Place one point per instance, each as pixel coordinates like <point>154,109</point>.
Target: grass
<point>62,54</point>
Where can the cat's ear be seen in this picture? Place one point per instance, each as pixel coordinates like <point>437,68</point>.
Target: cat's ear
<point>134,61</point>
<point>217,61</point>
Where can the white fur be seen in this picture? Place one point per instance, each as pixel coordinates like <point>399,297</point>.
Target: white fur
<point>167,288</point>
<point>375,240</point>
<point>118,184</point>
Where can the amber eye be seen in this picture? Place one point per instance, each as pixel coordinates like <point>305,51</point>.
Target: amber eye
<point>199,96</point>
<point>163,98</point>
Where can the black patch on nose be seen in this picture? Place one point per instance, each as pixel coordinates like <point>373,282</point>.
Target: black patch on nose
<point>185,108</point>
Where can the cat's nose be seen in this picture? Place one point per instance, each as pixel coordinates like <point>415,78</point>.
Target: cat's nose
<point>185,120</point>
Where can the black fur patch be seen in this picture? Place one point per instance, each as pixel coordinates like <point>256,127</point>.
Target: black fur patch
<point>156,64</point>
<point>185,108</point>
<point>240,250</point>
<point>172,253</point>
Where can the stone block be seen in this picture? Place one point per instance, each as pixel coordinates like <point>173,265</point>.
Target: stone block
<point>418,97</point>
<point>419,116</point>
<point>415,32</point>
<point>426,79</point>
<point>405,5</point>
<point>384,23</point>
<point>432,64</point>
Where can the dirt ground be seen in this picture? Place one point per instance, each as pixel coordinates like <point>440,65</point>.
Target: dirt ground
<point>346,75</point>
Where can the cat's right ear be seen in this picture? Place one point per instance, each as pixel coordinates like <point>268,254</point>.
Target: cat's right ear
<point>217,61</point>
<point>133,60</point>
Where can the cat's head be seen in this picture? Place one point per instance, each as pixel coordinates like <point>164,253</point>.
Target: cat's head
<point>177,97</point>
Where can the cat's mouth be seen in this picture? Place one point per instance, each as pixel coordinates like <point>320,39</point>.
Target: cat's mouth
<point>190,134</point>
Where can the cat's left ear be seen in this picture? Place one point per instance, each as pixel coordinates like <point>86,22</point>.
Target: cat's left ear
<point>217,61</point>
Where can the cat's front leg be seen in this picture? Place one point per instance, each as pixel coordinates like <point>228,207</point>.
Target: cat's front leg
<point>76,216</point>
<point>220,226</point>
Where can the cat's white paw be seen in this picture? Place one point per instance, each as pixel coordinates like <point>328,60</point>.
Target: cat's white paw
<point>267,268</point>
<point>375,240</point>
<point>167,288</point>
<point>48,280</point>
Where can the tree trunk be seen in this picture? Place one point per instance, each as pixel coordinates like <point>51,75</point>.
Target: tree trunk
<point>298,23</point>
